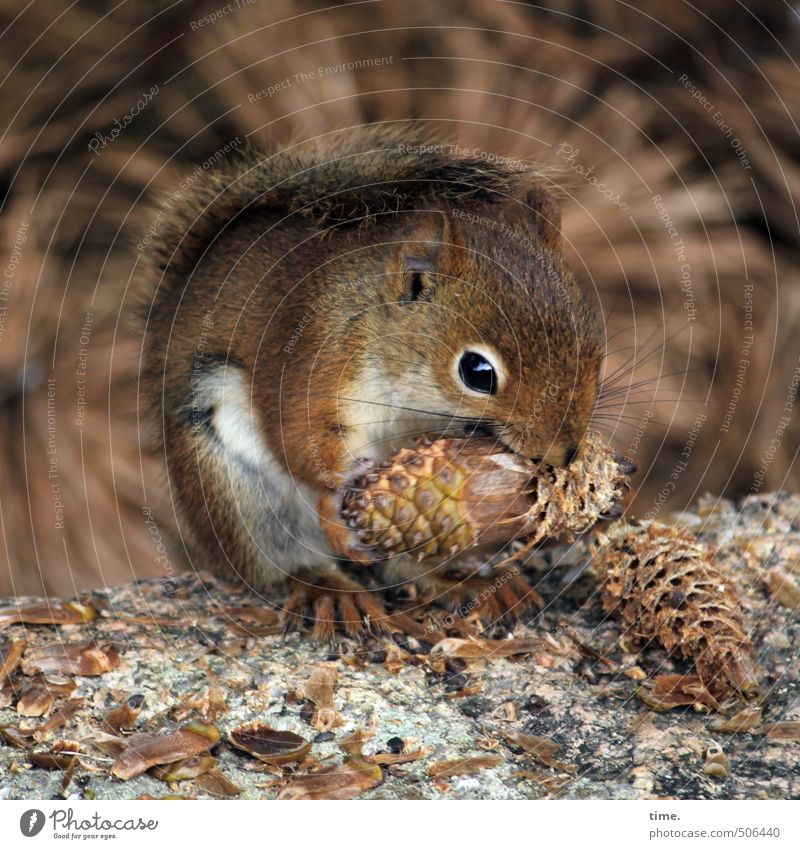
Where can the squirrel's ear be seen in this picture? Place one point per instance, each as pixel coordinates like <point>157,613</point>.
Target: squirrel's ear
<point>434,246</point>
<point>546,214</point>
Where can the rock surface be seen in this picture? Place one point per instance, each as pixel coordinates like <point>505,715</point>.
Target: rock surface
<point>185,652</point>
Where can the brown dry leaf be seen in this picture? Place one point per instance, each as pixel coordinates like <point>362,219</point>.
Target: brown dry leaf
<point>59,756</point>
<point>390,758</point>
<point>254,620</point>
<point>124,715</point>
<point>590,651</point>
<point>66,780</point>
<point>10,656</point>
<point>782,586</point>
<point>47,613</point>
<point>345,781</point>
<point>745,720</point>
<point>269,744</point>
<point>208,702</point>
<point>477,648</point>
<point>507,712</point>
<point>38,695</point>
<point>15,737</point>
<point>319,689</point>
<point>185,769</point>
<point>59,718</point>
<point>50,760</point>
<point>35,700</point>
<point>396,658</point>
<point>139,755</point>
<point>88,658</point>
<point>670,691</point>
<point>353,744</point>
<point>113,745</point>
<point>553,783</point>
<point>463,766</point>
<point>543,749</point>
<point>785,730</point>
<point>7,695</point>
<point>216,783</point>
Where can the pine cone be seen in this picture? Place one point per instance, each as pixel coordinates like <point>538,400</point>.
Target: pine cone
<point>663,585</point>
<point>448,495</point>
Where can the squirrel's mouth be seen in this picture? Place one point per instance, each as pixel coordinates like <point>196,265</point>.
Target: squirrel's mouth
<point>491,431</point>
<point>479,429</point>
<point>505,437</point>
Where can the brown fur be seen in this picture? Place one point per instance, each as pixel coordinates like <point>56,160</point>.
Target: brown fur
<point>312,264</point>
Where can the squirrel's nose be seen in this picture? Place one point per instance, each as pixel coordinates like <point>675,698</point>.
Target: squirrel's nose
<point>571,453</point>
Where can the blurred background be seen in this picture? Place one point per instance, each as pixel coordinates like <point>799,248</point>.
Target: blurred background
<point>673,128</point>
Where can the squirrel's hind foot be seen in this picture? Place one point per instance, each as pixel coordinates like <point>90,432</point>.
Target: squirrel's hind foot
<point>336,604</point>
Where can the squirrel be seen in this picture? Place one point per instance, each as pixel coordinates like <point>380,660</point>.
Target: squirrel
<point>329,301</point>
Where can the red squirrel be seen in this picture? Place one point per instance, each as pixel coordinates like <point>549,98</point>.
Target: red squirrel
<point>330,301</point>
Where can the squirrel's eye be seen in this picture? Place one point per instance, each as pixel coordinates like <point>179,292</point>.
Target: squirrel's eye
<point>477,373</point>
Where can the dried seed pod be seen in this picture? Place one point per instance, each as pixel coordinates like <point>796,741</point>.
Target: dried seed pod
<point>664,586</point>
<point>124,715</point>
<point>717,764</point>
<point>142,751</point>
<point>448,495</point>
<point>268,744</point>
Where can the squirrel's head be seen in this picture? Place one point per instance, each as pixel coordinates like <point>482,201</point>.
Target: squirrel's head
<point>487,331</point>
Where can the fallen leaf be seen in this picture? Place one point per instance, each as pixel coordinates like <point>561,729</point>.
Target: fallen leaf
<point>319,689</point>
<point>48,760</point>
<point>35,700</point>
<point>390,758</point>
<point>10,656</point>
<point>463,766</point>
<point>7,695</point>
<point>269,744</point>
<point>785,730</point>
<point>508,712</point>
<point>217,784</point>
<point>590,651</point>
<point>67,777</point>
<point>88,658</point>
<point>345,781</point>
<point>112,744</point>
<point>745,720</point>
<point>39,694</point>
<point>59,718</point>
<point>670,691</point>
<point>15,737</point>
<point>782,586</point>
<point>477,648</point>
<point>208,702</point>
<point>47,613</point>
<point>542,749</point>
<point>396,658</point>
<point>58,756</point>
<point>553,783</point>
<point>254,620</point>
<point>141,754</point>
<point>184,769</point>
